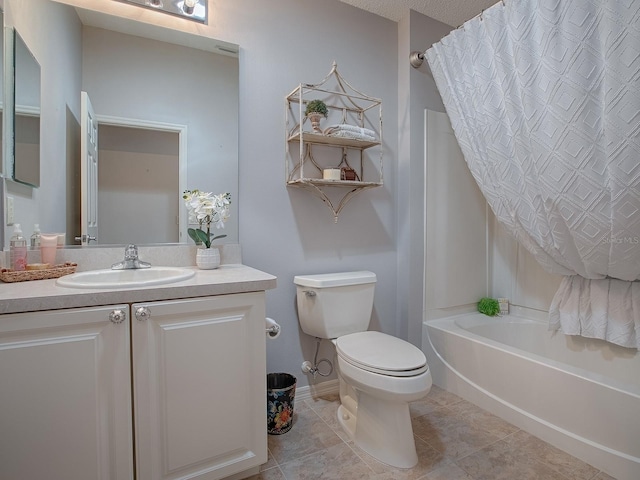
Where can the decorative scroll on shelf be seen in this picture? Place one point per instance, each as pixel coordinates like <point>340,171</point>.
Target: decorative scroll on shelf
<point>355,130</point>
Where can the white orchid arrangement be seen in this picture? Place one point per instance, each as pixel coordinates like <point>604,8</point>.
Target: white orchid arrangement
<point>205,208</point>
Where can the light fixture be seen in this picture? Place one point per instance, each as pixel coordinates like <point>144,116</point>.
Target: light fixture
<point>191,9</point>
<point>189,6</point>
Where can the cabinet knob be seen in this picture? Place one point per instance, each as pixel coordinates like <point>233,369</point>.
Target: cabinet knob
<point>143,313</point>
<point>117,316</point>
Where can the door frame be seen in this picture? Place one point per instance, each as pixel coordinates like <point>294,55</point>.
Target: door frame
<point>181,130</point>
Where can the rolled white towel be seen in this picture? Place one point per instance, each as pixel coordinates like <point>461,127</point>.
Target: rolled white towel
<point>349,128</point>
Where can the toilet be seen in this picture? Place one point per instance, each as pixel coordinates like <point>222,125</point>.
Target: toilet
<point>379,374</point>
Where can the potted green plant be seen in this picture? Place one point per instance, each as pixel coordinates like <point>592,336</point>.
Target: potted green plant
<point>316,109</point>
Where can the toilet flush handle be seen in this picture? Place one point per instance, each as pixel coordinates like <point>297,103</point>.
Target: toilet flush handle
<point>309,293</point>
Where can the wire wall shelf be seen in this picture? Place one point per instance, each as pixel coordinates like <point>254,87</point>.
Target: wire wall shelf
<point>345,157</point>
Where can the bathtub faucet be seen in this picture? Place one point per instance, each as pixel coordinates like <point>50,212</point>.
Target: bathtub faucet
<point>131,260</point>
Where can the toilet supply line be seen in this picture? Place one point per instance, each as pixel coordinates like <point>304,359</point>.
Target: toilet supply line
<point>313,368</point>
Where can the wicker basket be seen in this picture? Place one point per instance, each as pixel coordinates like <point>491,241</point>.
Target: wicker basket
<point>7,275</point>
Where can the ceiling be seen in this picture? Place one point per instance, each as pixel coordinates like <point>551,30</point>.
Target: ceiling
<point>451,12</point>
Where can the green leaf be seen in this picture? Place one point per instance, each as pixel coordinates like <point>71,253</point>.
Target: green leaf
<point>192,234</point>
<point>203,237</point>
<point>199,237</point>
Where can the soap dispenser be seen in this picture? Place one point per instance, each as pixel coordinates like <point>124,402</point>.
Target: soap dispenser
<point>18,249</point>
<point>35,236</point>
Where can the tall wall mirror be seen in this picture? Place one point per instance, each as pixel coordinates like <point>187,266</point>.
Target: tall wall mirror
<point>166,106</point>
<point>26,121</point>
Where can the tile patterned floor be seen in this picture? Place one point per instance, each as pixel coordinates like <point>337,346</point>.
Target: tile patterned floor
<point>455,441</point>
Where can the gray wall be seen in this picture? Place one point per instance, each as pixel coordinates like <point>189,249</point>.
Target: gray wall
<point>286,231</point>
<point>416,91</point>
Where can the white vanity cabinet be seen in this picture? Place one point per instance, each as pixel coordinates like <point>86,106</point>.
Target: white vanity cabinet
<point>65,395</point>
<point>183,379</point>
<point>199,385</point>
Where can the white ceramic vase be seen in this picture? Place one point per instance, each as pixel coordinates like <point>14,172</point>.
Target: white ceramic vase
<point>208,258</point>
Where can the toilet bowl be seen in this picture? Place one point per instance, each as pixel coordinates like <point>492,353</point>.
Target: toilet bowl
<point>379,374</point>
<point>375,394</point>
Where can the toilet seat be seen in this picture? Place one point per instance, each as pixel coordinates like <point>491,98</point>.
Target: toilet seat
<point>381,353</point>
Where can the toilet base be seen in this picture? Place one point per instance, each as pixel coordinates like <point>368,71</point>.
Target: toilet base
<point>382,429</point>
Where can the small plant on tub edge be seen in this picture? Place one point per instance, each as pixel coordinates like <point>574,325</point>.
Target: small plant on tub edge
<point>206,209</point>
<point>489,306</point>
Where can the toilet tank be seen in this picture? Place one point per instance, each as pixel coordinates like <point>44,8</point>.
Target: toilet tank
<point>334,304</point>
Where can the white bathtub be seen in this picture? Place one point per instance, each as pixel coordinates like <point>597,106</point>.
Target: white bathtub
<point>581,395</point>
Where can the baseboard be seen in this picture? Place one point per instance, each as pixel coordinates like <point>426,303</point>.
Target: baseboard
<point>311,391</point>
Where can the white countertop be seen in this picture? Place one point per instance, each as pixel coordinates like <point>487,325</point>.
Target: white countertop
<point>40,295</point>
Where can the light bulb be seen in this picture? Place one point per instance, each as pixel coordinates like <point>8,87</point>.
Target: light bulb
<point>189,6</point>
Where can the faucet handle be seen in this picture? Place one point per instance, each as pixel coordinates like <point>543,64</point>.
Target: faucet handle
<point>131,252</point>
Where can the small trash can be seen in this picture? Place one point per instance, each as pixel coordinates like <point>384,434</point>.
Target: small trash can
<point>281,392</point>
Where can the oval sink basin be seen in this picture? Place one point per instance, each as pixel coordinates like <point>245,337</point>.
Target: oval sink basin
<point>142,277</point>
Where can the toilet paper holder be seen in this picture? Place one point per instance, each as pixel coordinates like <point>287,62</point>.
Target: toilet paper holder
<point>272,329</point>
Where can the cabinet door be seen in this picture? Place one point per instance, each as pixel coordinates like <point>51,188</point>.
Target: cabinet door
<point>65,395</point>
<point>199,387</point>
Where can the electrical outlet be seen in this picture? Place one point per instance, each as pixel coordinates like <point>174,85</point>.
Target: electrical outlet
<point>10,213</point>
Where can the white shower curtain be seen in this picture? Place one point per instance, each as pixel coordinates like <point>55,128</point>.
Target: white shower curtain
<point>544,99</point>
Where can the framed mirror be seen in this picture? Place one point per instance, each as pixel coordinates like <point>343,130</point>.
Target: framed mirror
<point>166,102</point>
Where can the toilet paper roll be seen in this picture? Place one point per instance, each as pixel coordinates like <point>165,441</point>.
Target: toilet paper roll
<point>331,174</point>
<point>272,328</point>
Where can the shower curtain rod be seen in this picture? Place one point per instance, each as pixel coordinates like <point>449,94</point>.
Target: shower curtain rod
<point>416,58</point>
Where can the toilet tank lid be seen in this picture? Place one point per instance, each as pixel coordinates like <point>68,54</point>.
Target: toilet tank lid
<point>342,279</point>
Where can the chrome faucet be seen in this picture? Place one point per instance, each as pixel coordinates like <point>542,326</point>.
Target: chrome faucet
<point>131,260</point>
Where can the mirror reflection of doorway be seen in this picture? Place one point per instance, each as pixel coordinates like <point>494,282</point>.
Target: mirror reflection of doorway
<point>138,185</point>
